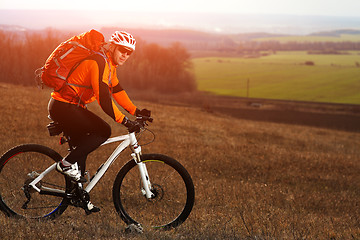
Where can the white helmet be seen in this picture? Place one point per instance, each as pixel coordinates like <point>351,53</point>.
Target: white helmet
<point>124,39</point>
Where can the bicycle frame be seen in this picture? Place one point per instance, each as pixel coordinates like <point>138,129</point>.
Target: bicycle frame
<point>127,140</point>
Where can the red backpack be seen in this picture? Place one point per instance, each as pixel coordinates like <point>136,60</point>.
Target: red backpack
<point>67,56</point>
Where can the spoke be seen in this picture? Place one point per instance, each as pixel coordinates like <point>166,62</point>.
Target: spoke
<point>169,175</point>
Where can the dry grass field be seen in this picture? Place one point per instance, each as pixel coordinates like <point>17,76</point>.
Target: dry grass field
<point>253,179</point>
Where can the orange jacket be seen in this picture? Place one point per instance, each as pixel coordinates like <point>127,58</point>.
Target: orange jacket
<point>99,77</point>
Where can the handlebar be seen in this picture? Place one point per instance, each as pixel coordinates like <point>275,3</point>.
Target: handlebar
<point>144,119</point>
<point>138,124</point>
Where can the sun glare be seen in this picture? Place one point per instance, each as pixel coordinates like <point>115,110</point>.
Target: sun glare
<point>139,5</point>
<point>305,7</point>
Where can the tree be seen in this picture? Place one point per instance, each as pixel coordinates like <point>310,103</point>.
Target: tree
<point>165,70</point>
<point>150,67</point>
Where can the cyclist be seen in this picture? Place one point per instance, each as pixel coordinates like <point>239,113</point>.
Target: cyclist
<point>86,130</point>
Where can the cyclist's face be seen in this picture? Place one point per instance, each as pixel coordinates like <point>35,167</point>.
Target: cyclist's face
<point>121,54</point>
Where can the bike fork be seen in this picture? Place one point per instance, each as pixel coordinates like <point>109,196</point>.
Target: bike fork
<point>146,190</point>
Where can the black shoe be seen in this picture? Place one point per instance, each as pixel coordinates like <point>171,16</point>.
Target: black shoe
<point>91,208</point>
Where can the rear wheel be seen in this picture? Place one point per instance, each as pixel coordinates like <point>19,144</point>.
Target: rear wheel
<point>172,187</point>
<point>18,167</point>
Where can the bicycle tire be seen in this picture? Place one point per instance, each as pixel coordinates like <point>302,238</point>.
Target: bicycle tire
<point>172,184</point>
<point>18,167</point>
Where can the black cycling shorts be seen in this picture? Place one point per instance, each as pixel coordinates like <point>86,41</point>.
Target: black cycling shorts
<point>87,131</point>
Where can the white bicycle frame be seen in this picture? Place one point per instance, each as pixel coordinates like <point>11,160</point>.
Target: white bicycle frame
<point>127,140</point>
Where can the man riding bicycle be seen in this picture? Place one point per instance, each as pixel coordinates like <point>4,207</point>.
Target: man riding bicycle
<point>86,130</point>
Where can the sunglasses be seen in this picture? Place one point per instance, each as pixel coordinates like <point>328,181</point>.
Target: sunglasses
<point>124,50</point>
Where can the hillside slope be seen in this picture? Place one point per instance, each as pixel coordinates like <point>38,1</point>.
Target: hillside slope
<point>252,179</point>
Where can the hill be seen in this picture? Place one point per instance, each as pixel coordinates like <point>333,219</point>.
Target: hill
<point>332,76</point>
<point>192,39</point>
<point>344,117</point>
<point>253,179</point>
<point>195,40</point>
<point>336,32</point>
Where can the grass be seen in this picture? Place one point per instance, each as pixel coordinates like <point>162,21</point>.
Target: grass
<point>333,78</point>
<point>253,180</point>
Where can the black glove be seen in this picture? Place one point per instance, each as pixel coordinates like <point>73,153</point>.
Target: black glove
<point>132,126</point>
<point>144,112</point>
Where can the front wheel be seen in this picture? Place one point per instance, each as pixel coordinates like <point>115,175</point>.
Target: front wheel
<point>172,187</point>
<point>18,167</point>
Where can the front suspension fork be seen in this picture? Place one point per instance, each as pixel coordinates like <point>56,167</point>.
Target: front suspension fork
<point>146,185</point>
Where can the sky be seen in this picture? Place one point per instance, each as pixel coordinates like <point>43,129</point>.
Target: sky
<point>298,7</point>
<point>228,16</point>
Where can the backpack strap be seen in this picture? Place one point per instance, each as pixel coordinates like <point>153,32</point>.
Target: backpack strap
<point>77,64</point>
<point>70,72</point>
<point>84,86</point>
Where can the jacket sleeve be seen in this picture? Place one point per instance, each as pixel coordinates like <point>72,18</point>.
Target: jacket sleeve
<point>99,82</point>
<point>122,98</point>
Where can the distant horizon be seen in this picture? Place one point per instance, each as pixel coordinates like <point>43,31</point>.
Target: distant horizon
<point>292,7</point>
<point>227,23</point>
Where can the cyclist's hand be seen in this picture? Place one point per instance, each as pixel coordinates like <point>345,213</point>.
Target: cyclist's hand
<point>144,112</point>
<point>132,126</point>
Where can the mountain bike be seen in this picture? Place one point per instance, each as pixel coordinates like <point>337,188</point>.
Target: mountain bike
<point>150,190</point>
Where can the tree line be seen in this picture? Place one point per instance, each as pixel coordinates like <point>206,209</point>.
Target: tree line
<point>150,67</point>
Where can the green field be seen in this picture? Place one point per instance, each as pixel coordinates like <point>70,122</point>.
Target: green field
<point>284,75</point>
